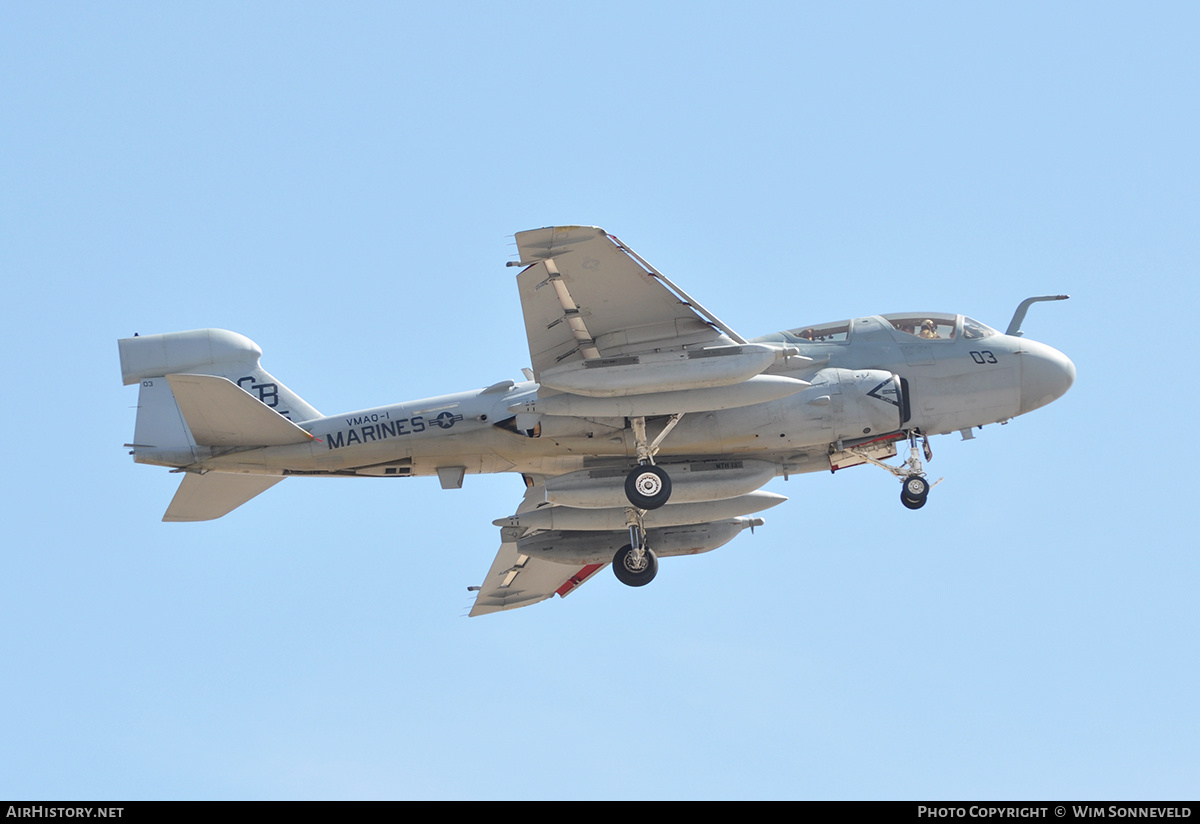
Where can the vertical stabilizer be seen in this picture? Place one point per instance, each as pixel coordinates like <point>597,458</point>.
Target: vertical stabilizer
<point>162,435</point>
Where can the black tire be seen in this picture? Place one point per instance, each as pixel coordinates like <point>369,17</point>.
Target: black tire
<point>648,487</point>
<point>915,488</point>
<point>630,576</point>
<point>912,503</point>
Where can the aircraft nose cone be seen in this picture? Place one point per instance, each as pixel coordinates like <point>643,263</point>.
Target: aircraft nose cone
<point>1046,375</point>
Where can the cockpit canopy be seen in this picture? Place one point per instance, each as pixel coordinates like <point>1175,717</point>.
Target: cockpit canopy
<point>825,333</point>
<point>927,325</point>
<point>924,325</point>
<point>937,326</point>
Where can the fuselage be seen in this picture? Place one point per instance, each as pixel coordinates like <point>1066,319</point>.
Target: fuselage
<point>870,376</point>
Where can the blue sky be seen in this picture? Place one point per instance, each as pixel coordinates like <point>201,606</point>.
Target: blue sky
<point>341,186</point>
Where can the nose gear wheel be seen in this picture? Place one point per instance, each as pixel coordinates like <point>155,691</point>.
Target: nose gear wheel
<point>915,487</point>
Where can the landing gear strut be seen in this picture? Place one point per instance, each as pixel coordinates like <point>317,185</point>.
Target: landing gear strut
<point>648,486</point>
<point>914,489</point>
<point>634,564</point>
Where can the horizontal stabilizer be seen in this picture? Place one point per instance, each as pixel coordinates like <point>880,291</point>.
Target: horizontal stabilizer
<point>219,413</point>
<point>209,496</point>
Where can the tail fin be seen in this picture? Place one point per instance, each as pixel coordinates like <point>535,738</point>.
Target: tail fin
<point>162,435</point>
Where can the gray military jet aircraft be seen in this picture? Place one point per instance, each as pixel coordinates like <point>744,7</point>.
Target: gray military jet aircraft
<point>646,427</point>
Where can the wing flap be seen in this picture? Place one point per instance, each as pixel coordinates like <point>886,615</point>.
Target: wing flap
<point>219,413</point>
<point>209,496</point>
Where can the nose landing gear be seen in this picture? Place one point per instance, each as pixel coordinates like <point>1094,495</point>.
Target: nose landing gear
<point>914,489</point>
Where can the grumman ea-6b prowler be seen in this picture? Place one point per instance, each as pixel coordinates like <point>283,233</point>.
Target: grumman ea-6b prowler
<point>646,427</point>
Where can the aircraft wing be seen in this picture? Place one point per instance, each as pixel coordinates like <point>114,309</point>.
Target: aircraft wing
<point>517,580</point>
<point>586,296</point>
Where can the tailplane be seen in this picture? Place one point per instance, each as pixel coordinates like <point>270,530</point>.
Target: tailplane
<point>219,414</point>
<point>213,494</point>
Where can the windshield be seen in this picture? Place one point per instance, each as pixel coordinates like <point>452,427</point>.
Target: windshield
<point>974,330</point>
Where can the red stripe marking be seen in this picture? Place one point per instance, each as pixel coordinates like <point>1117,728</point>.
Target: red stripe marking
<point>577,579</point>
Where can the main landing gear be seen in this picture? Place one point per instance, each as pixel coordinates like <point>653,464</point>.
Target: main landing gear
<point>634,564</point>
<point>648,486</point>
<point>914,487</point>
